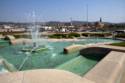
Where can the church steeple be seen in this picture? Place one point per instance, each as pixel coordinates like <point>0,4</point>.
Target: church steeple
<point>99,24</point>
<point>100,20</point>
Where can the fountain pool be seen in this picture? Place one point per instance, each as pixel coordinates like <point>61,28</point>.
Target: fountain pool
<point>51,58</point>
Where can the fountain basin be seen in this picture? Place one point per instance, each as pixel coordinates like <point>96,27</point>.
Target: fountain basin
<point>45,59</point>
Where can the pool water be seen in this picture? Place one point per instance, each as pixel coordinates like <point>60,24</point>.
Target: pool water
<point>79,65</point>
<point>51,58</point>
<point>3,43</point>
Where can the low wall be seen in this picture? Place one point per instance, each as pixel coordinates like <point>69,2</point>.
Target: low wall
<point>73,48</point>
<point>113,48</point>
<point>41,76</point>
<point>20,41</point>
<point>9,37</point>
<point>109,70</point>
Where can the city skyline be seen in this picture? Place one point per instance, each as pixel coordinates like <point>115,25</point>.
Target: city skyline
<point>62,10</point>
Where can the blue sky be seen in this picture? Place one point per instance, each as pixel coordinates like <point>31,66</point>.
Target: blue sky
<point>62,10</point>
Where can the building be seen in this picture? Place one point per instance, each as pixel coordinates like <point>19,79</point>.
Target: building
<point>99,24</point>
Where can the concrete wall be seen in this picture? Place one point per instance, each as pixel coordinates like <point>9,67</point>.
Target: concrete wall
<point>41,76</point>
<point>9,37</point>
<point>109,70</point>
<point>20,41</point>
<point>73,48</point>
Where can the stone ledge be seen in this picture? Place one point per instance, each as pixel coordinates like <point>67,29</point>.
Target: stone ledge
<point>73,48</point>
<point>113,48</point>
<point>20,41</point>
<point>42,76</point>
<point>118,57</point>
<point>9,37</point>
<point>108,70</point>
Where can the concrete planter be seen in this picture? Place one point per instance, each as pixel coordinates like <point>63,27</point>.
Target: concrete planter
<point>72,48</point>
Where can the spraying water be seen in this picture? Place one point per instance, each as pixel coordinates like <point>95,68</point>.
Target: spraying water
<point>35,37</point>
<point>37,43</point>
<point>34,31</point>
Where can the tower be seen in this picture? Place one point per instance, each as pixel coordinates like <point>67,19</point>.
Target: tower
<point>99,24</point>
<point>71,22</point>
<point>100,20</point>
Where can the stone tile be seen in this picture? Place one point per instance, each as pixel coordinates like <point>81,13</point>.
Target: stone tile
<point>51,76</point>
<point>106,72</point>
<point>42,76</point>
<point>118,57</point>
<point>15,77</point>
<point>87,81</point>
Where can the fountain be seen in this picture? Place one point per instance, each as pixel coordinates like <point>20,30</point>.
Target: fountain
<point>37,42</point>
